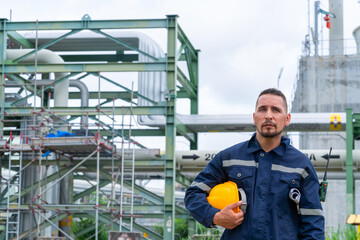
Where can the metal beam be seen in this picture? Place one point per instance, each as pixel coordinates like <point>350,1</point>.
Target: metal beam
<point>22,81</point>
<point>45,46</point>
<point>139,132</point>
<point>34,186</point>
<point>80,25</point>
<point>138,190</point>
<point>3,45</point>
<point>15,36</point>
<point>125,44</point>
<point>100,57</point>
<point>184,131</point>
<point>44,224</point>
<point>108,95</point>
<point>170,130</point>
<point>81,208</point>
<point>152,197</point>
<point>185,82</point>
<point>192,67</point>
<point>90,190</point>
<point>46,88</point>
<point>152,235</point>
<point>85,67</point>
<point>91,111</point>
<point>184,40</point>
<point>350,191</point>
<point>118,95</point>
<point>183,180</point>
<point>127,89</point>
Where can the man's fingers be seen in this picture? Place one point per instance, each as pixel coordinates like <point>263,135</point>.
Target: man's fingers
<point>234,205</point>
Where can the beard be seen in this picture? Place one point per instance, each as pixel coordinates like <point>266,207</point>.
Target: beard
<point>268,134</point>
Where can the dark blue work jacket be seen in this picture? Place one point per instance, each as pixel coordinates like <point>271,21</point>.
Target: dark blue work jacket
<point>266,178</point>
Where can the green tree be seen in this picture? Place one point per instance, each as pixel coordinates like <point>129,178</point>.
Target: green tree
<point>84,223</point>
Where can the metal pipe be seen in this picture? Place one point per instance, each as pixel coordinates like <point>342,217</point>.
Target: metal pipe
<point>316,37</point>
<point>61,90</point>
<point>308,122</point>
<point>84,92</point>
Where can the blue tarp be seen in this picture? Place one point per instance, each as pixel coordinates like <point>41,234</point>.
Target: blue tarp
<point>59,134</point>
<point>46,153</point>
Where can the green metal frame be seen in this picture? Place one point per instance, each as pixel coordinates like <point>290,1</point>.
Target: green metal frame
<point>178,86</point>
<point>352,133</point>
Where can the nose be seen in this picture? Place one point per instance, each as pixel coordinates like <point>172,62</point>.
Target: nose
<point>268,114</point>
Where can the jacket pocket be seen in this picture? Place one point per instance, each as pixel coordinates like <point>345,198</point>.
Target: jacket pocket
<point>244,179</point>
<point>292,180</point>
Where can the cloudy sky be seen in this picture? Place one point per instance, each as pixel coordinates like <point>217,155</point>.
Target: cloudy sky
<point>243,44</point>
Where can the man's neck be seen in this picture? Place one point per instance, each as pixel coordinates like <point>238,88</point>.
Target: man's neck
<point>268,144</point>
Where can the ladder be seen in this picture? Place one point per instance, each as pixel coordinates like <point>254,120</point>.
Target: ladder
<point>13,194</point>
<point>127,168</point>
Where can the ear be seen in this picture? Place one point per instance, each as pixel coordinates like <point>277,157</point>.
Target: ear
<point>287,119</point>
<point>254,118</point>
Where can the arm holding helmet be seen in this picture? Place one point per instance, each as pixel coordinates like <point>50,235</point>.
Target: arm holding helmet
<point>227,218</point>
<point>196,198</point>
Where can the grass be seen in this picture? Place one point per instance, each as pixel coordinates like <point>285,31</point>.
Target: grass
<point>347,233</point>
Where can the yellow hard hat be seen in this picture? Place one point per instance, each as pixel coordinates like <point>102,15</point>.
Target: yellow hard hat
<point>224,194</point>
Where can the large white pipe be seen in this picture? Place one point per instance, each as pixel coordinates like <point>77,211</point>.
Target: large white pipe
<point>84,92</point>
<point>195,159</point>
<point>61,89</point>
<point>308,122</point>
<point>151,85</point>
<point>84,96</point>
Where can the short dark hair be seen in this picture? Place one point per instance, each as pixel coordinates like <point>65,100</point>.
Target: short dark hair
<point>276,92</point>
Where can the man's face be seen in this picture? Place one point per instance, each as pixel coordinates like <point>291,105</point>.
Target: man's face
<point>270,116</point>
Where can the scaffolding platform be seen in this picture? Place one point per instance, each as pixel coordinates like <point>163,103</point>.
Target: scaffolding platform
<point>73,145</point>
<point>5,147</point>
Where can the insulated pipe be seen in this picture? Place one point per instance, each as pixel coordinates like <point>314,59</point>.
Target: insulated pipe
<point>150,84</point>
<point>309,122</point>
<point>84,92</point>
<point>196,159</point>
<point>61,90</point>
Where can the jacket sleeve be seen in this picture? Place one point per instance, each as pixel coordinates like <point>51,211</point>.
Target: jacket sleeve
<point>195,196</point>
<point>311,214</point>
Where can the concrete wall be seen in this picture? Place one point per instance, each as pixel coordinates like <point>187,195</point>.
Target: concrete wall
<point>329,84</point>
<point>334,207</point>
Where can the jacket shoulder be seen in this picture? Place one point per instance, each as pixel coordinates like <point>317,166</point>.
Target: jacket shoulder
<point>237,149</point>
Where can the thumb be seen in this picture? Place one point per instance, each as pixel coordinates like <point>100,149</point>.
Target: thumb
<point>234,205</point>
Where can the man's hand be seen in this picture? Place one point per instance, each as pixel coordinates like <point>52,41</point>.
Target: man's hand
<point>226,218</point>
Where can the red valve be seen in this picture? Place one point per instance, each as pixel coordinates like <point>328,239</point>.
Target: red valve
<point>327,20</point>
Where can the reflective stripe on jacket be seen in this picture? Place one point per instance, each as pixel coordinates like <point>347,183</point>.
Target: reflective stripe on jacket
<point>266,178</point>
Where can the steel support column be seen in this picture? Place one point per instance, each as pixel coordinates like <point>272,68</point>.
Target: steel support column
<point>3,44</point>
<point>170,130</point>
<point>350,192</point>
<point>194,102</point>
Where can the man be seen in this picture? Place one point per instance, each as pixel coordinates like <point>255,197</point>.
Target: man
<point>267,168</point>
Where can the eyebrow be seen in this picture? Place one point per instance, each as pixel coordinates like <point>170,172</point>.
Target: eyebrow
<point>265,106</point>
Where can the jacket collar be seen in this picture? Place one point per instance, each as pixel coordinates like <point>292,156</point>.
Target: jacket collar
<point>254,146</point>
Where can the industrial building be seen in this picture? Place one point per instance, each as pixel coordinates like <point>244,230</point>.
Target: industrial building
<point>328,81</point>
<point>52,136</point>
